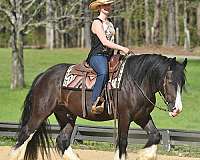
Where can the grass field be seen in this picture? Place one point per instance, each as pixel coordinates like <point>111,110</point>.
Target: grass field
<point>37,61</point>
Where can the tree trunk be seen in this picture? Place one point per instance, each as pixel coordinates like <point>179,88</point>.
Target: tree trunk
<point>87,33</point>
<point>126,31</point>
<point>82,37</point>
<point>177,20</point>
<point>156,23</point>
<point>62,40</point>
<point>17,72</point>
<point>198,19</point>
<point>171,41</point>
<point>187,32</point>
<point>87,24</point>
<point>147,31</point>
<point>164,23</point>
<point>50,25</point>
<point>79,38</point>
<point>17,77</point>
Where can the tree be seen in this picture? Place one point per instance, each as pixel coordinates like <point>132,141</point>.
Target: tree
<point>50,27</point>
<point>198,19</point>
<point>171,40</point>
<point>86,24</point>
<point>147,31</point>
<point>67,19</point>
<point>164,23</point>
<point>20,15</point>
<point>177,20</point>
<point>186,30</point>
<point>156,22</point>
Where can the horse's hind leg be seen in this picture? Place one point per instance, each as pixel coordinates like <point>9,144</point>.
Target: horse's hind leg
<point>67,123</point>
<point>18,151</point>
<point>150,149</point>
<point>32,126</point>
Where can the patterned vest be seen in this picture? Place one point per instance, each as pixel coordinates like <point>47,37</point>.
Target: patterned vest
<point>97,48</point>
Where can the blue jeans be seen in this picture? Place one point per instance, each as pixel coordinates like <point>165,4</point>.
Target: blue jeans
<point>100,65</point>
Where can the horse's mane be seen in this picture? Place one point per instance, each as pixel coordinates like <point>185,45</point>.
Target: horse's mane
<point>152,68</point>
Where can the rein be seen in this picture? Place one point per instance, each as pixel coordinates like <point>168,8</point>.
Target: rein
<point>145,96</point>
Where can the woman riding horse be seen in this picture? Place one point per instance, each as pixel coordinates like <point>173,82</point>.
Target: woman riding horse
<point>102,42</point>
<point>143,76</point>
<point>147,73</point>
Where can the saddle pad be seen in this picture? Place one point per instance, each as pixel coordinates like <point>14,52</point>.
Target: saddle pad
<point>74,81</point>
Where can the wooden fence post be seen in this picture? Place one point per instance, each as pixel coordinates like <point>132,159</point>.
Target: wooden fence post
<point>166,140</point>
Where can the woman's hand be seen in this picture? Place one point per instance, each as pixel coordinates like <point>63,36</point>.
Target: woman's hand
<point>125,50</point>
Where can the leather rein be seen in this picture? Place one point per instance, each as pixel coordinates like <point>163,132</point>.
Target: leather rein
<point>145,96</point>
<point>161,95</point>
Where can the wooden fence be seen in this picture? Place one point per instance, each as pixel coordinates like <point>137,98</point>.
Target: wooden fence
<point>170,137</point>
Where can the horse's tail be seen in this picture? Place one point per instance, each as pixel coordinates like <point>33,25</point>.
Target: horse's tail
<point>27,106</point>
<point>40,137</point>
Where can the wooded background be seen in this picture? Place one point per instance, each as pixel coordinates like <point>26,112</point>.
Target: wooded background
<point>66,23</point>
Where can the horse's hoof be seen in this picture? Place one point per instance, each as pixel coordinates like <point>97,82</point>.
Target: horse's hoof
<point>13,155</point>
<point>65,158</point>
<point>69,154</point>
<point>147,153</point>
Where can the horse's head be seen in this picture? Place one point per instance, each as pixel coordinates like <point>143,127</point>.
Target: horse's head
<point>173,83</point>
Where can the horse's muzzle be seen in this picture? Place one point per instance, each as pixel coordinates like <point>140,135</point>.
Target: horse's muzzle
<point>175,111</point>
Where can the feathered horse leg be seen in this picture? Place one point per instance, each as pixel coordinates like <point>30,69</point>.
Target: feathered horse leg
<point>150,150</point>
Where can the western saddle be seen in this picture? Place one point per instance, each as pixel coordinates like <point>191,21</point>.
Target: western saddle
<point>84,70</point>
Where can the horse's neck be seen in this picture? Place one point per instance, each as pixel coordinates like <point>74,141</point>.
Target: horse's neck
<point>151,86</point>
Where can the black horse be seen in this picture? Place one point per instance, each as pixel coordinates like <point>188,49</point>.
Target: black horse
<point>143,76</point>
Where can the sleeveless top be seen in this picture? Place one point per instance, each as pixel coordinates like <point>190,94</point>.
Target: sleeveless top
<point>97,48</point>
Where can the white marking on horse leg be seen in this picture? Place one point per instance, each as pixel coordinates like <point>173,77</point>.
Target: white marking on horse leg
<point>178,102</point>
<point>147,153</point>
<point>18,153</point>
<point>70,155</point>
<point>116,157</point>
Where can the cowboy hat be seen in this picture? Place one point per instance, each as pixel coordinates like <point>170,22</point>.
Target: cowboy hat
<point>94,5</point>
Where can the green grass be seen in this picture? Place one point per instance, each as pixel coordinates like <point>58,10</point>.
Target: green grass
<point>37,61</point>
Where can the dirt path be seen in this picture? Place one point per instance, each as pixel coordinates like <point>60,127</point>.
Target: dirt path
<point>95,155</point>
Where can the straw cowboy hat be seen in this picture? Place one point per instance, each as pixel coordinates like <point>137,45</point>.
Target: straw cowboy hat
<point>94,5</point>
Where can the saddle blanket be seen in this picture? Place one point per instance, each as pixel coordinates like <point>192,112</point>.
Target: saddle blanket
<point>75,81</point>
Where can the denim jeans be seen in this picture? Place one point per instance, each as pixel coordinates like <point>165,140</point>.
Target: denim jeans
<point>100,65</point>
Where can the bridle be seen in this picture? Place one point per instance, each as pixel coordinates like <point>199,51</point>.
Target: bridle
<point>161,95</point>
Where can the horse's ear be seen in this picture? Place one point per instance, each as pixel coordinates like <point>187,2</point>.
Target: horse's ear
<point>173,62</point>
<point>185,62</point>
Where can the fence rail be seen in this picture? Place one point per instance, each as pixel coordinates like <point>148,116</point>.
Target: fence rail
<point>105,134</point>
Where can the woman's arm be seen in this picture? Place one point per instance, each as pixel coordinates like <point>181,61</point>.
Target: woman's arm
<point>97,28</point>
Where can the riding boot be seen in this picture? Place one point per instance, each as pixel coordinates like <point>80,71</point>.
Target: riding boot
<point>98,106</point>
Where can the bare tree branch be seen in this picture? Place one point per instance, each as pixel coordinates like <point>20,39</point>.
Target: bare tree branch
<point>68,12</point>
<point>29,5</point>
<point>7,13</point>
<point>37,10</point>
<point>2,9</point>
<point>35,25</point>
<point>8,1</point>
<point>27,2</point>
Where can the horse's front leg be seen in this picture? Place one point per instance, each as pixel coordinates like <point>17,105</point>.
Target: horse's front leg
<point>123,127</point>
<point>150,149</point>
